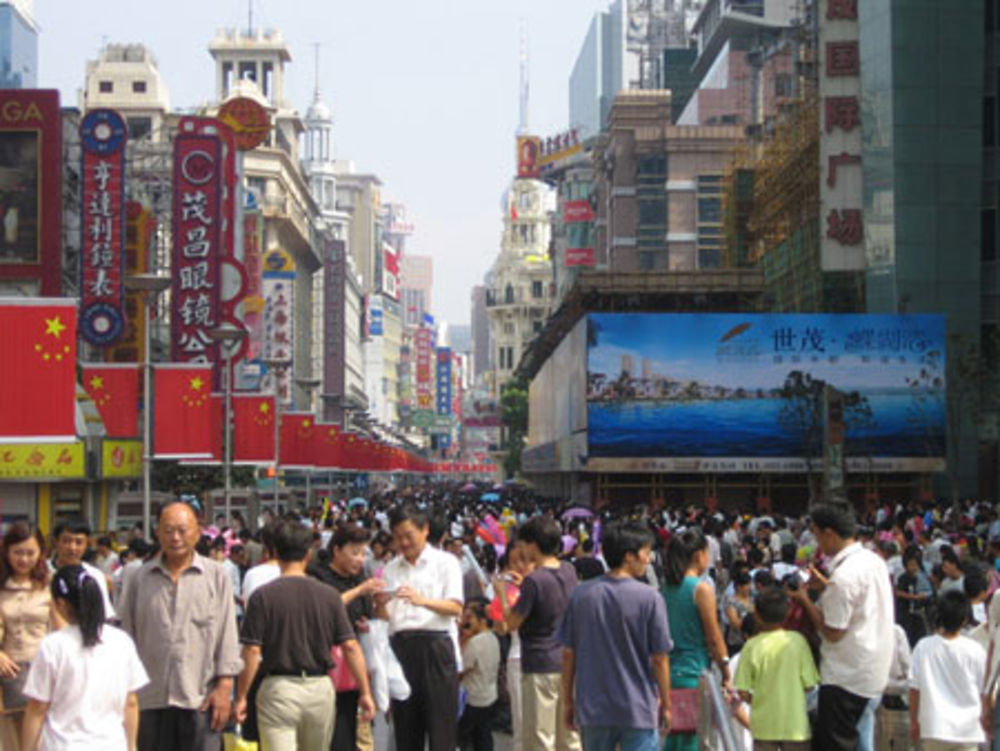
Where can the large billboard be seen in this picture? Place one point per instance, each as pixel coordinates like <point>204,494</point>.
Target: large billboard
<point>30,197</point>
<point>746,392</point>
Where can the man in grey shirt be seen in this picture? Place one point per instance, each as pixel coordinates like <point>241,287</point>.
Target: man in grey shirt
<point>179,609</point>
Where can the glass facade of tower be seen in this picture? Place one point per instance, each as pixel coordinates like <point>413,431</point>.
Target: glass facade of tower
<point>18,50</point>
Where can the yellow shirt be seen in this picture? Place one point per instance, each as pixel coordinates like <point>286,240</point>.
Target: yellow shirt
<point>25,612</point>
<point>776,668</point>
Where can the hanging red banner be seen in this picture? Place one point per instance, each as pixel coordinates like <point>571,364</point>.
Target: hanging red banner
<point>182,412</point>
<point>253,428</point>
<point>115,391</point>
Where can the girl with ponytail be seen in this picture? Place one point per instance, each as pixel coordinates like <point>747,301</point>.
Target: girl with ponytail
<point>81,686</point>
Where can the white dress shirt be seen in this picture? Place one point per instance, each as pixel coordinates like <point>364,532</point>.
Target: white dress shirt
<point>436,575</point>
<point>858,600</point>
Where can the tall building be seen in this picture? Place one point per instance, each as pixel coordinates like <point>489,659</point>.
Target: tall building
<point>126,78</point>
<point>251,63</point>
<point>417,282</point>
<point>659,200</point>
<point>339,309</point>
<point>520,294</point>
<point>480,325</point>
<point>18,45</point>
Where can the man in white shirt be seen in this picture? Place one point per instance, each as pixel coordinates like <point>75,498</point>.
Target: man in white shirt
<point>855,619</point>
<point>71,539</point>
<point>421,601</point>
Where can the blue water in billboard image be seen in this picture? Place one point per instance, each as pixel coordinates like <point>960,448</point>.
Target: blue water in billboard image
<point>750,428</point>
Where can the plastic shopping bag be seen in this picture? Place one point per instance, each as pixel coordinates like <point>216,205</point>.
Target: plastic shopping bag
<point>234,742</point>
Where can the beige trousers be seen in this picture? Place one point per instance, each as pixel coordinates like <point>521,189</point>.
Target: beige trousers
<point>932,745</point>
<point>542,724</point>
<point>295,714</point>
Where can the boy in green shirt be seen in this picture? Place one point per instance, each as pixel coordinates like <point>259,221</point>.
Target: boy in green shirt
<point>776,670</point>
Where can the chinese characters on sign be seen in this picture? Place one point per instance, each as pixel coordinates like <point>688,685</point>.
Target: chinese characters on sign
<point>425,381</point>
<point>444,381</point>
<point>197,226</point>
<point>842,228</point>
<point>102,289</point>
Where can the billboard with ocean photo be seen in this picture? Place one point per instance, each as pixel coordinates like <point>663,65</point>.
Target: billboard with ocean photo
<point>733,392</point>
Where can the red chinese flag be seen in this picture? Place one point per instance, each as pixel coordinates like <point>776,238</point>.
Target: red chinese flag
<point>349,451</point>
<point>253,428</point>
<point>182,412</point>
<point>327,446</point>
<point>115,391</point>
<point>38,377</point>
<point>297,429</point>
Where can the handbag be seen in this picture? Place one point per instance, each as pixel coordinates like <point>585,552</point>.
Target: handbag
<point>683,710</point>
<point>340,674</point>
<point>14,699</point>
<point>234,741</point>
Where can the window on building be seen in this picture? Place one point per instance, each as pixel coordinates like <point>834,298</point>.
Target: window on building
<point>709,206</point>
<point>709,210</point>
<point>988,235</point>
<point>709,258</point>
<point>783,85</point>
<point>268,83</point>
<point>653,212</point>
<point>536,326</point>
<point>248,71</point>
<point>139,128</point>
<point>654,164</point>
<point>536,289</point>
<point>227,78</point>
<point>106,87</point>
<point>989,121</point>
<point>508,328</point>
<point>138,87</point>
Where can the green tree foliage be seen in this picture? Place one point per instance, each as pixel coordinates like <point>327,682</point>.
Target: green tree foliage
<point>176,478</point>
<point>514,404</point>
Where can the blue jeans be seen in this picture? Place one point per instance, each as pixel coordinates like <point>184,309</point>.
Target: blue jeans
<point>629,739</point>
<point>866,726</point>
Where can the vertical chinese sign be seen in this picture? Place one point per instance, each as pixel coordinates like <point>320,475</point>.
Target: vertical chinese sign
<point>102,265</point>
<point>197,238</point>
<point>425,380</point>
<point>140,226</point>
<point>278,288</point>
<point>334,333</point>
<point>841,222</point>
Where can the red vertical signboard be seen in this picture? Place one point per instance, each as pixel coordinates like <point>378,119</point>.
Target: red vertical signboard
<point>197,239</point>
<point>102,266</point>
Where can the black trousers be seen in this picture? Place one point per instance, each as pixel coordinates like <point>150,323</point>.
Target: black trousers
<point>345,726</point>
<point>837,719</point>
<point>171,728</point>
<point>431,712</point>
<point>475,729</point>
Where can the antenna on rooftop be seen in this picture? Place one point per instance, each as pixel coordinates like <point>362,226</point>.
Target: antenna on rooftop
<point>316,46</point>
<point>522,126</point>
<point>249,18</point>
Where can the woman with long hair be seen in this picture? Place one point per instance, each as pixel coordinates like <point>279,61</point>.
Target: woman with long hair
<point>694,623</point>
<point>81,686</point>
<point>26,616</point>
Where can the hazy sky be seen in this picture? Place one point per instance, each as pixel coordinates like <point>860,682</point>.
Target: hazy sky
<point>424,93</point>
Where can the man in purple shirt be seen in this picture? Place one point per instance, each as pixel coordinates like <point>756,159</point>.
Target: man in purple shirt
<point>619,695</point>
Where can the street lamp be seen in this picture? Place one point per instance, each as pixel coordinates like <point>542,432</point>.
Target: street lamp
<point>228,335</point>
<point>149,287</point>
<point>309,385</point>
<point>278,367</point>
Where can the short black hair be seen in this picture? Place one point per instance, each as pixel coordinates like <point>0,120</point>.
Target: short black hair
<point>345,534</point>
<point>623,538</point>
<point>543,532</point>
<point>839,520</point>
<point>73,526</point>
<point>763,579</point>
<point>771,605</point>
<point>974,582</point>
<point>952,610</point>
<point>788,552</point>
<point>409,512</point>
<point>104,541</point>
<point>741,577</point>
<point>292,541</point>
<point>948,555</point>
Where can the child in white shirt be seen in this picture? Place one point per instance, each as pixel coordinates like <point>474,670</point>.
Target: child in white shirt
<point>946,677</point>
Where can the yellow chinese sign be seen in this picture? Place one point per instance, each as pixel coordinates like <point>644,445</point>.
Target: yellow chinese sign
<point>42,460</point>
<point>121,459</point>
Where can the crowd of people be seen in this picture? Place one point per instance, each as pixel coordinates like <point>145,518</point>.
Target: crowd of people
<point>433,618</point>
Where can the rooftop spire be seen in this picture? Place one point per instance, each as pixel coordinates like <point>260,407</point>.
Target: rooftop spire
<point>522,126</point>
<point>316,96</point>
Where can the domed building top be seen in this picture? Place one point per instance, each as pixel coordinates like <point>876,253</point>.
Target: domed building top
<point>318,111</point>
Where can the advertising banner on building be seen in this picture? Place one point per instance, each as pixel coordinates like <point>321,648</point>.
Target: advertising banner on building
<point>278,288</point>
<point>102,265</point>
<point>140,225</point>
<point>528,151</point>
<point>580,257</point>
<point>30,192</point>
<point>745,393</point>
<point>577,211</point>
<point>195,308</point>
<point>334,323</point>
<point>121,460</point>
<point>425,376</point>
<point>253,261</point>
<point>40,461</point>
<point>375,315</point>
<point>443,380</point>
<point>842,236</point>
